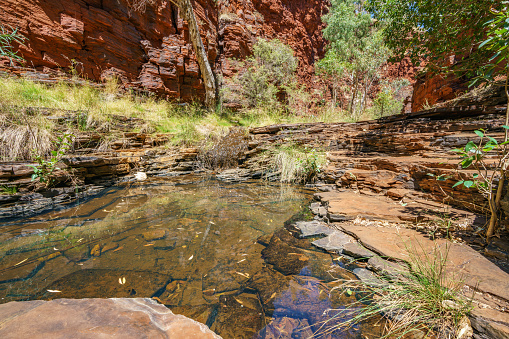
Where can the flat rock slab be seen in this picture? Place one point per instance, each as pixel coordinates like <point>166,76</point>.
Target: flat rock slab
<point>348,205</point>
<point>462,261</point>
<point>386,267</point>
<point>490,323</point>
<point>96,318</point>
<point>313,228</point>
<point>357,251</point>
<point>335,241</point>
<point>367,277</point>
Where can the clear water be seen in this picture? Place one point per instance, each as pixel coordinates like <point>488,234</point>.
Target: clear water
<point>190,243</point>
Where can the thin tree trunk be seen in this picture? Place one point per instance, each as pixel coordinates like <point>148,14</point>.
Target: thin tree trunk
<point>495,209</point>
<point>201,55</point>
<point>354,94</point>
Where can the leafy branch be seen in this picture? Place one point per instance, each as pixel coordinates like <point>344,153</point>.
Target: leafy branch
<point>488,177</point>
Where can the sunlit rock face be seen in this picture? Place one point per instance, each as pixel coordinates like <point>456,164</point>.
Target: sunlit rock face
<point>92,318</point>
<point>151,50</point>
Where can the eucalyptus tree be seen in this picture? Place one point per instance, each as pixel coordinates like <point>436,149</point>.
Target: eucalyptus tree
<point>356,51</point>
<point>433,31</point>
<point>187,12</point>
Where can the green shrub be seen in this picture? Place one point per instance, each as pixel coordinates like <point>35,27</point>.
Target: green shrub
<point>262,77</point>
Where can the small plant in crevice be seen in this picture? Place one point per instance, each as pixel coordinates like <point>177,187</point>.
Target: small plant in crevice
<point>8,190</point>
<point>441,227</point>
<point>7,38</point>
<point>424,300</point>
<point>44,170</point>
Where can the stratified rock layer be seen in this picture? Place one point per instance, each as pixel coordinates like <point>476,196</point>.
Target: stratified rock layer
<point>151,50</point>
<point>96,318</point>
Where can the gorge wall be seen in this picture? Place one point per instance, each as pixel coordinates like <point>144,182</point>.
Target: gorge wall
<point>151,50</point>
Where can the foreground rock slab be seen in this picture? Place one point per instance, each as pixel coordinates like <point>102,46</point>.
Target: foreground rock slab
<point>462,261</point>
<point>96,318</point>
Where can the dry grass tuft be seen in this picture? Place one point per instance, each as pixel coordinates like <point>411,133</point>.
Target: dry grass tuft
<point>226,152</point>
<point>20,142</point>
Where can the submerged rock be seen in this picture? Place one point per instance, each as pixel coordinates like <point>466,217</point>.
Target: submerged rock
<point>113,283</point>
<point>154,235</point>
<point>285,327</point>
<point>96,318</point>
<point>239,316</point>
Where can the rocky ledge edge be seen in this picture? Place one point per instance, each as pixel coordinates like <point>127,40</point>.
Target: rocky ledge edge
<point>382,250</point>
<point>96,318</point>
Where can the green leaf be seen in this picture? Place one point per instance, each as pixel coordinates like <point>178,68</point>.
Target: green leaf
<point>493,140</point>
<point>485,42</point>
<point>505,126</point>
<point>469,146</point>
<point>467,162</point>
<point>468,183</point>
<point>34,176</point>
<point>458,183</point>
<point>479,133</point>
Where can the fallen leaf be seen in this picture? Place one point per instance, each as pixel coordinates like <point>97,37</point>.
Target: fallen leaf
<point>22,261</point>
<point>184,246</point>
<point>148,245</point>
<point>157,299</point>
<point>107,211</point>
<point>209,292</point>
<point>121,281</point>
<point>238,262</point>
<point>54,291</point>
<point>245,275</point>
<point>118,249</point>
<point>191,257</point>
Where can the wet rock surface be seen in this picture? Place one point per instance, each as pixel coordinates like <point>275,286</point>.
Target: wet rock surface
<point>111,318</point>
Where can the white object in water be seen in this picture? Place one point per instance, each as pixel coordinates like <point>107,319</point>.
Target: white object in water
<point>140,176</point>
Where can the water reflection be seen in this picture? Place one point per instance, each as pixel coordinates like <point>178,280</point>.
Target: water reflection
<point>190,243</point>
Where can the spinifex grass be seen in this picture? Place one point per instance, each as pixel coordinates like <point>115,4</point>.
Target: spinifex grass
<point>423,299</point>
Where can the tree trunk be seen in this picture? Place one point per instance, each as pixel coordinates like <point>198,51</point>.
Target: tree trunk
<point>354,94</point>
<point>496,208</point>
<point>201,55</point>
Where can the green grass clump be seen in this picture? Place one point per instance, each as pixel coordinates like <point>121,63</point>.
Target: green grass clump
<point>423,299</point>
<point>296,164</point>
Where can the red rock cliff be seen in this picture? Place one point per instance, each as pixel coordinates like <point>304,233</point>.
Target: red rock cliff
<point>152,50</point>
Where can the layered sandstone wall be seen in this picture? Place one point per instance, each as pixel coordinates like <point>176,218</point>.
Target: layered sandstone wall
<point>152,50</point>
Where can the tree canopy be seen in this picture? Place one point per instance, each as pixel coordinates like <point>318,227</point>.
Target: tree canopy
<point>432,30</point>
<point>356,51</point>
